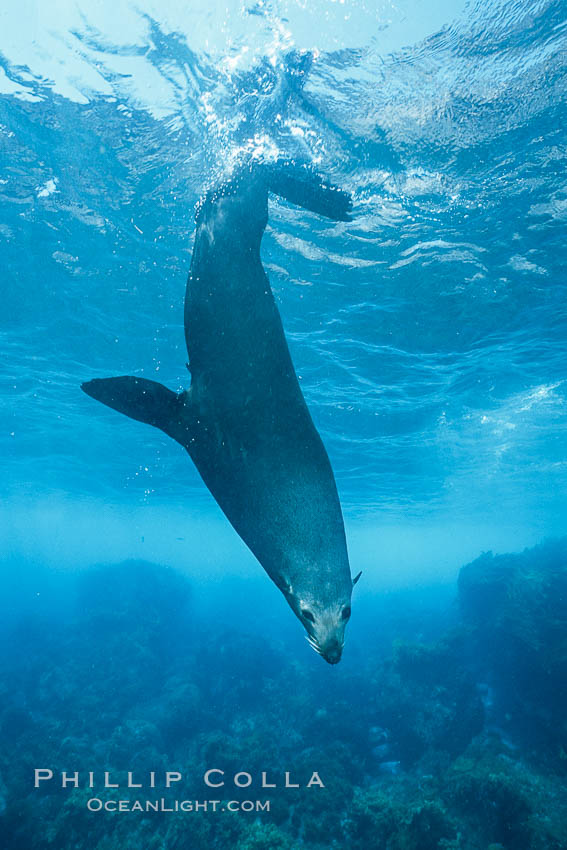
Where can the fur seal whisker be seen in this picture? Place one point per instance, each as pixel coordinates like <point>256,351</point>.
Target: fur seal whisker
<point>313,646</point>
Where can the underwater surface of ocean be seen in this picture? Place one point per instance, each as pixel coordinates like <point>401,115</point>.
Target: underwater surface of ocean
<point>429,335</point>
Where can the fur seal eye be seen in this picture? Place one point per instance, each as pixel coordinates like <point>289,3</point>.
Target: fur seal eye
<point>346,613</point>
<point>308,615</point>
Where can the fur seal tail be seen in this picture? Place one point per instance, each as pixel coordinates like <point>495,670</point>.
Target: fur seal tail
<point>298,183</point>
<point>152,403</point>
<point>146,401</point>
<point>303,186</point>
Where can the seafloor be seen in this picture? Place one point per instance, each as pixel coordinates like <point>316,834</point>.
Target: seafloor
<point>458,743</point>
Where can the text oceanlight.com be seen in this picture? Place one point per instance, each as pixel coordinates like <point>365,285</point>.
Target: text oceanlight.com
<point>95,804</point>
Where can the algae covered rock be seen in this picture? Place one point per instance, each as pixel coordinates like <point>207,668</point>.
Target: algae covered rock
<point>504,802</point>
<point>266,836</point>
<point>401,816</point>
<point>427,700</point>
<point>492,794</point>
<point>516,609</point>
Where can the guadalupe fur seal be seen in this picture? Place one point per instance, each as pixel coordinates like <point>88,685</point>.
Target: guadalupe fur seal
<point>244,420</point>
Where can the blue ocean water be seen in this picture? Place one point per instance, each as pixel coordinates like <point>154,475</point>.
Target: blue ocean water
<point>429,333</point>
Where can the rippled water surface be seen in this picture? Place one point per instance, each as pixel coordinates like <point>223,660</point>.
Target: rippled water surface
<point>429,333</point>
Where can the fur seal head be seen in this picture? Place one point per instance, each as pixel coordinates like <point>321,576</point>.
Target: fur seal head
<point>324,617</point>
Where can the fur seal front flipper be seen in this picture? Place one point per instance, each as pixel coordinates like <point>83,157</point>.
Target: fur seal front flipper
<point>244,420</point>
<point>147,401</point>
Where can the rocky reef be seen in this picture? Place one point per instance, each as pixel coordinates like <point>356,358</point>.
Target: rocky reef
<point>515,607</point>
<point>459,743</point>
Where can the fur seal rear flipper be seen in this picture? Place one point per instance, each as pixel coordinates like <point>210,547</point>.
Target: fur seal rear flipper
<point>244,420</point>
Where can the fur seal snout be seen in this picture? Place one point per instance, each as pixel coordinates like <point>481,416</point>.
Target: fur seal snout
<point>244,420</point>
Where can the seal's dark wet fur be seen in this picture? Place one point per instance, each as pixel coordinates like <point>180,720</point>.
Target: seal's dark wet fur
<point>244,420</point>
